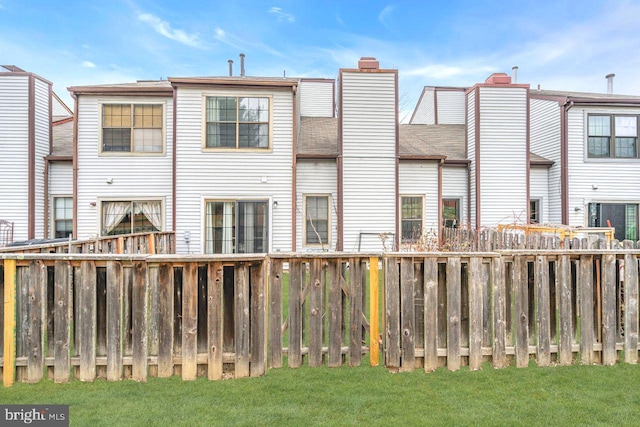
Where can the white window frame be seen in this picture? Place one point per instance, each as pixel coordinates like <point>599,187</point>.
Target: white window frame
<point>102,201</point>
<point>328,243</point>
<point>206,200</point>
<point>422,219</point>
<point>53,212</point>
<point>237,148</point>
<point>612,115</point>
<point>132,153</point>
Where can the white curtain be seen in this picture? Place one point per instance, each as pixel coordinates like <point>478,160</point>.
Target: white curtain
<point>113,212</point>
<point>153,212</point>
<point>209,229</point>
<point>227,227</point>
<point>249,224</point>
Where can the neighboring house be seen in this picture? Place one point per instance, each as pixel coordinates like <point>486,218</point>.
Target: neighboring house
<point>242,164</point>
<point>25,141</point>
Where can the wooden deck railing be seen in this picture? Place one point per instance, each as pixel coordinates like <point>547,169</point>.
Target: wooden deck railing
<point>82,316</point>
<point>138,243</point>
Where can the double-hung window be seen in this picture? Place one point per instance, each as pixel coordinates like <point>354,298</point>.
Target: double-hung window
<point>411,218</point>
<point>236,122</point>
<point>125,217</point>
<point>317,220</point>
<point>62,217</point>
<point>236,227</point>
<point>612,136</point>
<point>132,128</point>
<point>451,213</point>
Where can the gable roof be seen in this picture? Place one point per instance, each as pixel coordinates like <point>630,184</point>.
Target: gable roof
<point>586,97</point>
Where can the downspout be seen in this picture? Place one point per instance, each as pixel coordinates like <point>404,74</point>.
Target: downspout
<point>46,198</point>
<point>31,182</point>
<point>75,165</point>
<point>340,225</point>
<point>294,168</point>
<point>564,161</point>
<point>439,220</point>
<point>173,164</point>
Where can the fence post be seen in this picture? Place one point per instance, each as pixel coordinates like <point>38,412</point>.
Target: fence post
<point>374,335</point>
<point>9,365</point>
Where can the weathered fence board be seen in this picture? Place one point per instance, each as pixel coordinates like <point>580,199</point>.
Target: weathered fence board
<point>295,314</point>
<point>258,350</point>
<point>475,313</point>
<point>355,311</point>
<point>609,312</point>
<point>189,321</point>
<point>316,312</point>
<point>62,321</point>
<point>586,309</point>
<point>114,320</point>
<point>139,321</point>
<point>499,314</point>
<point>214,320</point>
<point>87,321</point>
<point>336,313</point>
<point>407,310</point>
<point>430,314</point>
<point>392,314</point>
<point>275,314</point>
<point>453,313</point>
<point>165,320</point>
<point>522,311</point>
<point>241,320</point>
<point>543,307</point>
<point>631,308</point>
<point>37,320</point>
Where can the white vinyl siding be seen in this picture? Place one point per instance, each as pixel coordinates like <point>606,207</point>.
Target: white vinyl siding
<point>132,177</point>
<point>57,109</point>
<point>42,122</point>
<point>425,110</point>
<point>615,181</point>
<point>316,177</point>
<point>545,141</point>
<point>421,178</point>
<point>454,186</point>
<point>503,155</point>
<point>539,190</point>
<point>316,98</point>
<point>471,153</point>
<point>450,107</point>
<point>232,175</point>
<point>60,185</point>
<point>369,141</point>
<point>14,149</point>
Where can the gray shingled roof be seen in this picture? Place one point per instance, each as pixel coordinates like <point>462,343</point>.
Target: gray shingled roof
<point>62,139</point>
<point>433,140</point>
<point>318,136</point>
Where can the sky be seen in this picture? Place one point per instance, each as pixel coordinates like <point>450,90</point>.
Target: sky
<point>561,45</point>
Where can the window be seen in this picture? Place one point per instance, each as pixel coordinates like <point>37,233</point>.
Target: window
<point>411,221</point>
<point>237,122</point>
<point>451,213</point>
<point>132,128</point>
<point>236,227</point>
<point>534,211</point>
<point>317,220</point>
<point>622,216</point>
<point>125,217</point>
<point>613,136</point>
<point>62,217</point>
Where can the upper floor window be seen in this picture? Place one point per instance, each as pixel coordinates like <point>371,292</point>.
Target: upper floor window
<point>613,136</point>
<point>132,128</point>
<point>237,122</point>
<point>411,218</point>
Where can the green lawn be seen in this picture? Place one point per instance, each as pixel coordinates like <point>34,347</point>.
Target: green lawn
<point>574,395</point>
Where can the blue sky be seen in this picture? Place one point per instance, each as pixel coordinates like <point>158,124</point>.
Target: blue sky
<point>563,45</point>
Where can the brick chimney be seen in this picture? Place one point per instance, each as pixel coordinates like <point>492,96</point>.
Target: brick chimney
<point>368,63</point>
<point>498,79</point>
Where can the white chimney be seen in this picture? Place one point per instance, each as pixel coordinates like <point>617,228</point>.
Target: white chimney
<point>610,82</point>
<point>515,73</point>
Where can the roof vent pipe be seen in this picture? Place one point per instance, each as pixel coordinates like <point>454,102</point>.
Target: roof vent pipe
<point>242,64</point>
<point>609,78</point>
<point>515,73</point>
<point>230,67</point>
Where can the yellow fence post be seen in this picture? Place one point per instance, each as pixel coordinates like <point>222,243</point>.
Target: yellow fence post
<point>374,345</point>
<point>9,363</point>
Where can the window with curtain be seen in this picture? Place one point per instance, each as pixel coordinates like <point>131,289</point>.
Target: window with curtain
<point>412,218</point>
<point>132,128</point>
<point>126,217</point>
<point>236,226</point>
<point>613,136</point>
<point>317,220</point>
<point>62,217</point>
<point>451,213</point>
<point>237,122</point>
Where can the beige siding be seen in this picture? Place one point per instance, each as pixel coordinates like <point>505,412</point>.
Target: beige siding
<point>316,177</point>
<point>616,181</point>
<point>454,186</point>
<point>451,107</point>
<point>545,141</point>
<point>369,149</point>
<point>503,155</point>
<point>471,153</point>
<point>539,189</point>
<point>133,176</point>
<point>42,124</point>
<point>425,110</point>
<point>253,175</point>
<point>14,137</point>
<point>316,98</point>
<point>421,179</point>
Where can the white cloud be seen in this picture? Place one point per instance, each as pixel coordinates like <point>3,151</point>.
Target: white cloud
<point>282,16</point>
<point>238,43</point>
<point>164,28</point>
<point>88,64</point>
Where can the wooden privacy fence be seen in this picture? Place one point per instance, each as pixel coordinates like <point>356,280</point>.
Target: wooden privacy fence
<point>87,316</point>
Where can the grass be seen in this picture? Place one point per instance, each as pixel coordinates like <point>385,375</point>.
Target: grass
<point>573,395</point>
